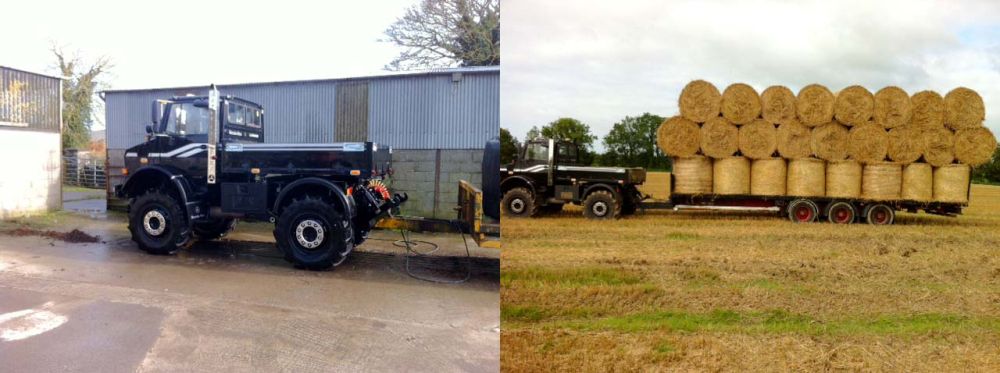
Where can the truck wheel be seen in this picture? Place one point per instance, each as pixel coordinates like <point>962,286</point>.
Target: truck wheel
<point>519,203</point>
<point>601,205</point>
<point>157,224</point>
<point>841,212</point>
<point>312,234</point>
<point>214,229</point>
<point>879,214</point>
<point>802,211</point>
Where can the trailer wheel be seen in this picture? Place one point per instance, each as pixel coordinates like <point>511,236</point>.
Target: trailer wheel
<point>802,211</point>
<point>312,234</point>
<point>214,229</point>
<point>841,212</point>
<point>879,214</point>
<point>519,203</point>
<point>157,223</point>
<point>601,205</point>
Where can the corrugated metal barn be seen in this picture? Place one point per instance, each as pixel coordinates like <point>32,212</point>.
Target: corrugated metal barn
<point>437,123</point>
<point>30,142</point>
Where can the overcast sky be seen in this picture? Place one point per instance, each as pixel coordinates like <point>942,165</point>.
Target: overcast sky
<point>180,43</point>
<point>598,60</point>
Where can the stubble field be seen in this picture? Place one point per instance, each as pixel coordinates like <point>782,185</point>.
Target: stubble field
<point>706,291</point>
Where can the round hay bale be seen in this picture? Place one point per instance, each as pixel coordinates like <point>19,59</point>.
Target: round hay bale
<point>759,139</point>
<point>806,177</point>
<point>892,107</point>
<point>939,145</point>
<point>918,182</point>
<point>854,106</point>
<point>731,175</point>
<point>699,101</point>
<point>740,103</point>
<point>963,108</point>
<point>794,140</point>
<point>974,146</point>
<point>692,175</point>
<point>829,141</point>
<point>843,179</point>
<point>719,138</point>
<point>868,143</point>
<point>814,105</point>
<point>951,183</point>
<point>777,104</point>
<point>767,177</point>
<point>928,110</point>
<point>882,181</point>
<point>678,137</point>
<point>905,144</point>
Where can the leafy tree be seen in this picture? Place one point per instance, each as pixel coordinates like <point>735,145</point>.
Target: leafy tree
<point>79,87</point>
<point>632,142</point>
<point>508,146</point>
<point>443,33</point>
<point>572,130</point>
<point>533,133</point>
<point>990,172</point>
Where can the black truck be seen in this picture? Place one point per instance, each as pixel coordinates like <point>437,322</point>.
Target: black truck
<point>546,175</point>
<point>205,164</point>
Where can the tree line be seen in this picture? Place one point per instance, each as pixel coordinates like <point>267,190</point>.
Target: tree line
<point>632,143</point>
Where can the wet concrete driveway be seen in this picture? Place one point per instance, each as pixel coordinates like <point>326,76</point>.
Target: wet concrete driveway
<point>236,306</point>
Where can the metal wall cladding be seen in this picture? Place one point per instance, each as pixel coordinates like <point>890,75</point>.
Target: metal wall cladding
<point>435,112</point>
<point>29,101</point>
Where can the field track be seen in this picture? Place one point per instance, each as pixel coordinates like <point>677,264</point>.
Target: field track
<point>706,291</point>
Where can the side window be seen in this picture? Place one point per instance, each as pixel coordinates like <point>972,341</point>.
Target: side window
<point>186,119</point>
<point>253,118</point>
<point>567,154</point>
<point>235,114</point>
<point>537,152</point>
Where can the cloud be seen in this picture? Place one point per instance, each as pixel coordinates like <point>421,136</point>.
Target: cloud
<point>599,61</point>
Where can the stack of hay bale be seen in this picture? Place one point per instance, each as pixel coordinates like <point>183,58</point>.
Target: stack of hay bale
<point>853,144</point>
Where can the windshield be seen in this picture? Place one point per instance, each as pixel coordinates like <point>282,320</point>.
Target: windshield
<point>186,119</point>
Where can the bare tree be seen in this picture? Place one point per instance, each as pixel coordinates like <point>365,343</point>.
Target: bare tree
<point>79,86</point>
<point>445,33</point>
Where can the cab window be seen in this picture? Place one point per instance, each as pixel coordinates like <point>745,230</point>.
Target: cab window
<point>187,119</point>
<point>537,152</point>
<point>567,154</point>
<point>236,114</point>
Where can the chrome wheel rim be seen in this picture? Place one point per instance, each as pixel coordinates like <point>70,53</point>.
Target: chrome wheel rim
<point>309,233</point>
<point>154,223</point>
<point>600,208</point>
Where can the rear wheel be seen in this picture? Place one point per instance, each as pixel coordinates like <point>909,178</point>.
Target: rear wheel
<point>802,211</point>
<point>157,223</point>
<point>841,212</point>
<point>879,214</point>
<point>214,229</point>
<point>519,203</point>
<point>601,204</point>
<point>312,234</point>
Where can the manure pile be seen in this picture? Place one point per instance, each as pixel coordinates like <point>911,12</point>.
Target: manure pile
<point>852,143</point>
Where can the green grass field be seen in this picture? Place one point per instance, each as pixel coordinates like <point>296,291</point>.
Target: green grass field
<point>709,291</point>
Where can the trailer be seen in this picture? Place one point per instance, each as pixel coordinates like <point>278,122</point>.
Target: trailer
<point>805,209</point>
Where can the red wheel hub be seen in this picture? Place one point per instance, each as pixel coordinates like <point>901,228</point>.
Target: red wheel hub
<point>803,213</point>
<point>881,216</point>
<point>841,214</point>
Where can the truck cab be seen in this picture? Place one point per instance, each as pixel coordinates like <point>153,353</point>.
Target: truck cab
<point>205,164</point>
<point>547,174</point>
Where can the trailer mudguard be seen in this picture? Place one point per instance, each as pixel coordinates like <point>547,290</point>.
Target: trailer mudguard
<point>288,191</point>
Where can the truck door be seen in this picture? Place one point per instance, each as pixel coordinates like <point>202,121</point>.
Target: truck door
<point>535,161</point>
<point>185,145</point>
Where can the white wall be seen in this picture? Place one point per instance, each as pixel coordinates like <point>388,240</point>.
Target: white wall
<point>30,164</point>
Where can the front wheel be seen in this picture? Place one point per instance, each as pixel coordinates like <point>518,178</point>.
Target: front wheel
<point>157,223</point>
<point>313,235</point>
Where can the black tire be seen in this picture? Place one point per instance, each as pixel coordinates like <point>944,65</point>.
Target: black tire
<point>841,212</point>
<point>167,231</point>
<point>879,214</point>
<point>214,229</point>
<point>803,211</point>
<point>519,203</point>
<point>552,208</point>
<point>601,204</point>
<point>321,225</point>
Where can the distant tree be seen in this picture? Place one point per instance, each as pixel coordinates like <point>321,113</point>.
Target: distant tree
<point>508,147</point>
<point>444,33</point>
<point>575,131</point>
<point>533,133</point>
<point>989,172</point>
<point>632,142</point>
<point>79,86</point>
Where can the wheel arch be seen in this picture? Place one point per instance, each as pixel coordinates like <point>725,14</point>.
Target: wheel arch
<point>173,181</point>
<point>309,185</point>
<point>515,182</point>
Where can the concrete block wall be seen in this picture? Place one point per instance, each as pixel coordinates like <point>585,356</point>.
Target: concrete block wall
<point>430,178</point>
